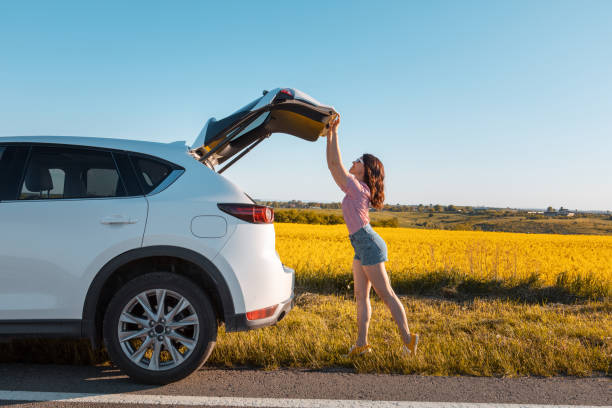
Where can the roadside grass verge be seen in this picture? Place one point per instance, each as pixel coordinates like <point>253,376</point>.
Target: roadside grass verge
<point>476,337</point>
<point>480,338</point>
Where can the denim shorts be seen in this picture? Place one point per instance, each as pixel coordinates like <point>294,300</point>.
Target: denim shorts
<point>369,247</point>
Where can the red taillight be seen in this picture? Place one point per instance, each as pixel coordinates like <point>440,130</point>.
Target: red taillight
<point>261,313</point>
<point>286,92</point>
<point>257,214</point>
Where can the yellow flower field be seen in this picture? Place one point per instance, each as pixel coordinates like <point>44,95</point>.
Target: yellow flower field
<point>582,265</point>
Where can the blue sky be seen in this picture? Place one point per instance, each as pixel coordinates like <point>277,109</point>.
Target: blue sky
<point>465,102</point>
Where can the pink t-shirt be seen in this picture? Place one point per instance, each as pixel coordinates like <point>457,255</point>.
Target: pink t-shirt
<point>355,204</point>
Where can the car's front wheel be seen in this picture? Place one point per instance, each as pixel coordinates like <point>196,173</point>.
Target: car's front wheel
<point>159,328</point>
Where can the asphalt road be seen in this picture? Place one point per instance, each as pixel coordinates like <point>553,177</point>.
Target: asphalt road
<point>301,384</point>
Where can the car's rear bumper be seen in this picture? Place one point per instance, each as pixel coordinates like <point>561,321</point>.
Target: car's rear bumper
<point>239,321</point>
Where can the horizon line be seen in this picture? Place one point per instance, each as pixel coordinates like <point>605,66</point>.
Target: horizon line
<point>445,205</point>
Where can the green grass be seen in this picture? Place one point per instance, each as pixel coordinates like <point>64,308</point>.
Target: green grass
<point>477,337</point>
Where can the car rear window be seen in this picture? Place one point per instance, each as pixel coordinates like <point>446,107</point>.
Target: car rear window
<point>150,172</point>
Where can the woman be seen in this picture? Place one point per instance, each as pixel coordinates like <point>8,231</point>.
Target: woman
<point>364,185</point>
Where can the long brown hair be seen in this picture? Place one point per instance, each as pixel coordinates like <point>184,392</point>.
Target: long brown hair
<point>374,177</point>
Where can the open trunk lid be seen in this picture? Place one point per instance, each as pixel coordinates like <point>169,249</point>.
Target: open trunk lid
<point>282,110</point>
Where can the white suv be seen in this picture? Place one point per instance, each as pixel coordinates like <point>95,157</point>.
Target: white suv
<point>144,245</point>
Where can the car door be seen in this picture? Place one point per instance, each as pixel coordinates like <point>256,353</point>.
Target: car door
<point>282,110</point>
<point>67,213</point>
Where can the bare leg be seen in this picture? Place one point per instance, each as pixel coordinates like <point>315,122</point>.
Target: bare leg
<point>377,275</point>
<point>364,308</point>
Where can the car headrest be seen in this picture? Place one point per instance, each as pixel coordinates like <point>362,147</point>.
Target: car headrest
<point>38,178</point>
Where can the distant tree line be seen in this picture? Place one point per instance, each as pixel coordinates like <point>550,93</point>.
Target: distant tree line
<point>298,204</point>
<point>427,208</point>
<point>307,217</point>
<point>313,217</point>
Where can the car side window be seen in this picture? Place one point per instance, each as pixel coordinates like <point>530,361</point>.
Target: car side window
<point>102,182</point>
<point>58,177</point>
<point>150,172</point>
<point>64,172</point>
<point>12,160</point>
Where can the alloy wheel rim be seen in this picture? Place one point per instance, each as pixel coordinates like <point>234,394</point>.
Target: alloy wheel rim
<point>158,329</point>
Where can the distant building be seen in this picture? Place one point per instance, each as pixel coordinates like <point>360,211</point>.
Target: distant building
<point>562,211</point>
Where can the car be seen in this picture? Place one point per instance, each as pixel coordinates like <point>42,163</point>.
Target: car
<point>144,247</point>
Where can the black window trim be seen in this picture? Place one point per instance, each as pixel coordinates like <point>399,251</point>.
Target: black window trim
<point>127,192</point>
<point>110,150</point>
<point>131,171</point>
<point>23,168</point>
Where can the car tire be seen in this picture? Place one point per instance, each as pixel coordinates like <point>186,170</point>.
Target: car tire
<point>191,331</point>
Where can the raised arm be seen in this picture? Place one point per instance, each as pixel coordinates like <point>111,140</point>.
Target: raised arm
<point>334,161</point>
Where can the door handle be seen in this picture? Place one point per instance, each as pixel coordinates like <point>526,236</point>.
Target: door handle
<point>118,219</point>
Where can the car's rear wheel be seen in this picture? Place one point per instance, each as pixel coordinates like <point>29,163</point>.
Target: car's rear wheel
<point>159,328</point>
